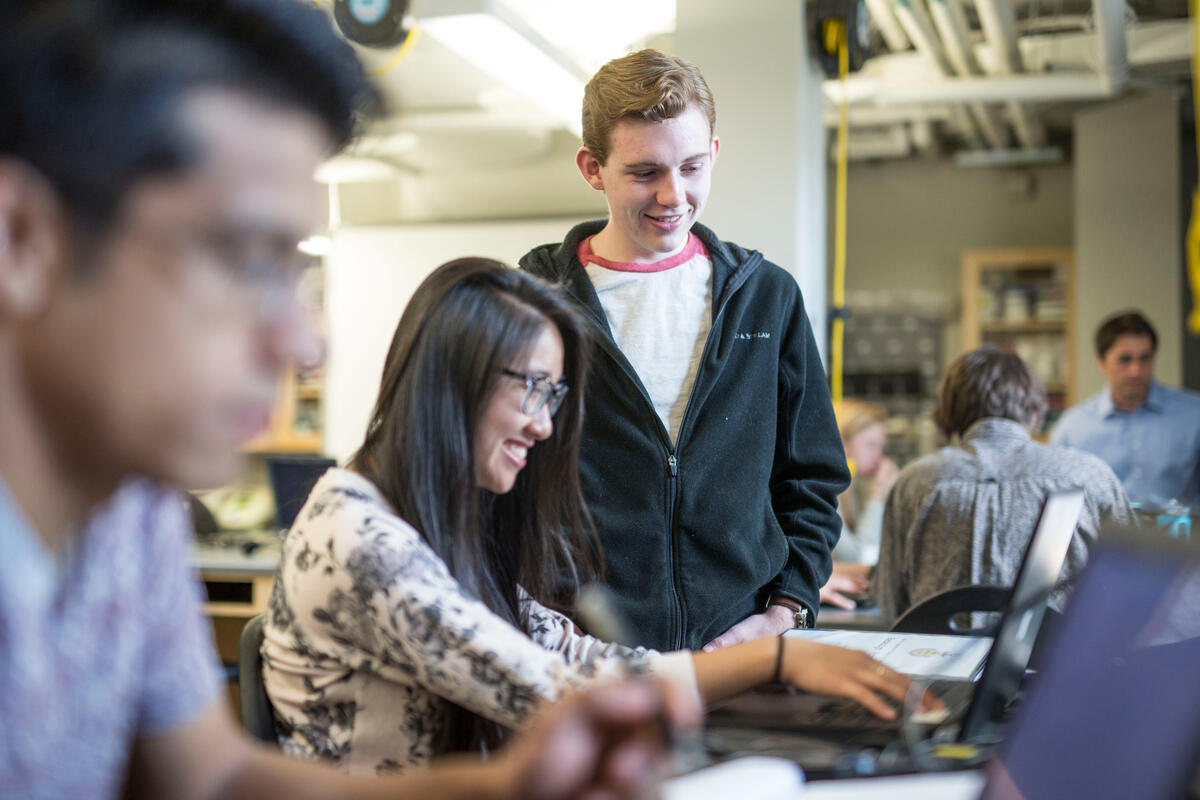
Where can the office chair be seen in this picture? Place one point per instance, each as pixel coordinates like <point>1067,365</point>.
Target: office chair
<point>258,718</point>
<point>936,614</point>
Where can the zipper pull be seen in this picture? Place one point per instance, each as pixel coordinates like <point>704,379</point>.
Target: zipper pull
<point>673,465</point>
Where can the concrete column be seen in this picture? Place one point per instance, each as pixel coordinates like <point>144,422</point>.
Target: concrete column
<point>1128,226</point>
<point>769,184</point>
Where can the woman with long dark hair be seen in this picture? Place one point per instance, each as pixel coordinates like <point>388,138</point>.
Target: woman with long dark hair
<point>412,614</point>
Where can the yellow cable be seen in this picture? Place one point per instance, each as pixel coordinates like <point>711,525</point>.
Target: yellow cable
<point>400,55</point>
<point>837,28</point>
<point>1193,232</point>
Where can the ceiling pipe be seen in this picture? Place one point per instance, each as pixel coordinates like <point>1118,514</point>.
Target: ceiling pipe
<point>893,35</point>
<point>1112,62</point>
<point>1021,88</point>
<point>951,24</point>
<point>914,18</point>
<point>876,116</point>
<point>1153,43</point>
<point>999,23</point>
<point>893,142</point>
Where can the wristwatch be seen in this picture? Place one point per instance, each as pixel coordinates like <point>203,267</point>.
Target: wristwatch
<point>799,612</point>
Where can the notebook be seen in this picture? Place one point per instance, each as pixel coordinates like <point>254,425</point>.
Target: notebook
<point>976,709</point>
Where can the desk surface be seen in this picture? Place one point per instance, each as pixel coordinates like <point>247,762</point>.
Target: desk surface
<point>262,561</point>
<point>860,619</point>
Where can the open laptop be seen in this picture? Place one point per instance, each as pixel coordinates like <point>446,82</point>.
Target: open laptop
<point>292,478</point>
<point>976,709</point>
<point>1115,712</point>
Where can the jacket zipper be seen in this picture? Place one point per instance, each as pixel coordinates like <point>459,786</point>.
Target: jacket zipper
<point>673,460</point>
<point>609,345</point>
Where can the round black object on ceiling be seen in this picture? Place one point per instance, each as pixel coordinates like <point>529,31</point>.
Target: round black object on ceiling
<point>372,23</point>
<point>822,35</point>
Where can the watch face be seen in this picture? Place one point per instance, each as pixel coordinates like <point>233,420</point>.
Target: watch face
<point>368,12</point>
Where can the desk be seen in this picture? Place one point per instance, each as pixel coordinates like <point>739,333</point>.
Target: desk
<point>238,586</point>
<point>860,619</point>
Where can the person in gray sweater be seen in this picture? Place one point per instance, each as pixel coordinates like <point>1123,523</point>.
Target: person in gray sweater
<point>965,514</point>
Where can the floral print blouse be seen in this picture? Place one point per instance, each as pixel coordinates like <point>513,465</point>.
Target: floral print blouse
<point>368,635</point>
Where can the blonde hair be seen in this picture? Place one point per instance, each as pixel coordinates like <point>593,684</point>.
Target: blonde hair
<point>855,416</point>
<point>647,85</point>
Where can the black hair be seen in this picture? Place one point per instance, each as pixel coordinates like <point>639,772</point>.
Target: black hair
<point>1125,323</point>
<point>90,89</point>
<point>468,321</point>
<point>988,382</point>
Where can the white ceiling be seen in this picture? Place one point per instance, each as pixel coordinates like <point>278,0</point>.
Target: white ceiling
<point>450,115</point>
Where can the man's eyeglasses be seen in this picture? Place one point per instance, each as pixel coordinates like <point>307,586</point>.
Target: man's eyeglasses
<point>539,391</point>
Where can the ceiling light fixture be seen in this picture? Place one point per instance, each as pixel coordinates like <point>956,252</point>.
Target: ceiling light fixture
<point>498,41</point>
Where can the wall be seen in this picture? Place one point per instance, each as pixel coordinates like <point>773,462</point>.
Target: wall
<point>908,222</point>
<point>1128,224</point>
<point>767,183</point>
<point>500,183</point>
<point>369,279</point>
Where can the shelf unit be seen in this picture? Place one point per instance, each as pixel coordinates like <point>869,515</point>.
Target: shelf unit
<point>1022,299</point>
<point>286,432</point>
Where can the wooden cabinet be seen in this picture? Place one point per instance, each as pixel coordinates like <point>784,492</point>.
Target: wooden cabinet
<point>1023,301</point>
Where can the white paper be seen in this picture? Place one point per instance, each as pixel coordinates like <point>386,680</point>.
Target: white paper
<point>921,655</point>
<point>749,778</point>
<point>935,786</point>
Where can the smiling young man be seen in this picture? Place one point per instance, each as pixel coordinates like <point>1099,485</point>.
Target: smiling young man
<point>1148,433</point>
<point>156,163</point>
<point>711,459</point>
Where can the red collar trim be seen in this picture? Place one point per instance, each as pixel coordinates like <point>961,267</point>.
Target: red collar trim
<point>690,250</point>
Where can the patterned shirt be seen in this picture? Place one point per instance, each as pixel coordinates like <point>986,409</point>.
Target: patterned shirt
<point>98,646</point>
<point>368,635</point>
<point>965,514</point>
<point>1154,449</point>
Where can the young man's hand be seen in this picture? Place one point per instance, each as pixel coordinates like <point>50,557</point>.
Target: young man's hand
<point>608,742</point>
<point>846,584</point>
<point>772,622</point>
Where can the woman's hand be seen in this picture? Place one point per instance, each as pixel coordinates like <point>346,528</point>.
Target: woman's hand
<point>840,672</point>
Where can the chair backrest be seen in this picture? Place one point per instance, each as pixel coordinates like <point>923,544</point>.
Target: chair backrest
<point>936,614</point>
<point>258,718</point>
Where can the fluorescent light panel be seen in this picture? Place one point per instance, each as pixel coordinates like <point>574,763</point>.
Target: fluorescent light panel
<point>490,36</point>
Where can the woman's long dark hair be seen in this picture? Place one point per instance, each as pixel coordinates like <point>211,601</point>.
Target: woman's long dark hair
<point>471,318</point>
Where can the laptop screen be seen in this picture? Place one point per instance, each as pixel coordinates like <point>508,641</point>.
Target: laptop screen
<point>292,478</point>
<point>1022,620</point>
<point>1116,712</point>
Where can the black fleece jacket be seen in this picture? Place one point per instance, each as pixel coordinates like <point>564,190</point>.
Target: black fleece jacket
<point>696,537</point>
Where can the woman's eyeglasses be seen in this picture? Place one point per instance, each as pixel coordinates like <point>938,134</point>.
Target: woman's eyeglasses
<point>539,391</point>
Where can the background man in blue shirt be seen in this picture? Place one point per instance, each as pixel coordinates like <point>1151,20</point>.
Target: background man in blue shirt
<point>1148,433</point>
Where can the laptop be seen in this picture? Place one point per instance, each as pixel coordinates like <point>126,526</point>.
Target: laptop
<point>292,478</point>
<point>976,710</point>
<point>1115,713</point>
